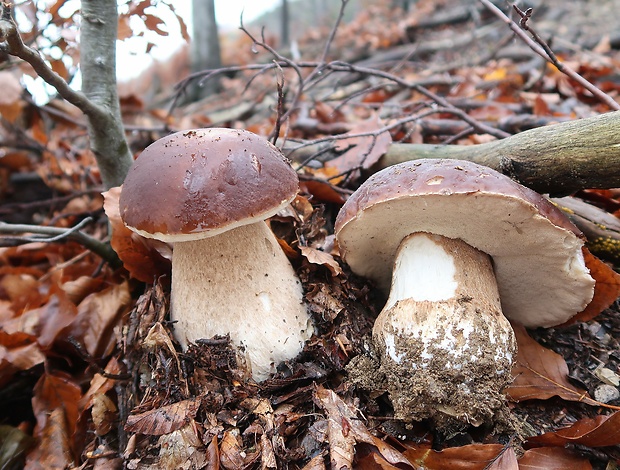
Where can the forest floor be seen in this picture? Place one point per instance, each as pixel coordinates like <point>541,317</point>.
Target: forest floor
<point>90,373</point>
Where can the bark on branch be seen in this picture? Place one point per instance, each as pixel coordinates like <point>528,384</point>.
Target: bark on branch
<point>99,99</point>
<point>558,159</point>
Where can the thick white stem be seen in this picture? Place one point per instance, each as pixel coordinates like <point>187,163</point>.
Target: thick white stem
<point>241,283</point>
<point>446,348</point>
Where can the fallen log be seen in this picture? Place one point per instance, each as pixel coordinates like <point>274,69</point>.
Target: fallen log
<point>557,159</point>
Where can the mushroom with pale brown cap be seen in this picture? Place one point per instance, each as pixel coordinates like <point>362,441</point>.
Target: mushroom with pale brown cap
<point>208,192</point>
<point>456,244</point>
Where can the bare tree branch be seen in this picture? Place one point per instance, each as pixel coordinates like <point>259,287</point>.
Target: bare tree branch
<point>543,50</point>
<point>99,100</point>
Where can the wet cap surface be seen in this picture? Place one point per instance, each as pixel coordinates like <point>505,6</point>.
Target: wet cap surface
<point>193,184</point>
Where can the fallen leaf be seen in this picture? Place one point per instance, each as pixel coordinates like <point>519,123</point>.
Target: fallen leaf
<point>606,289</point>
<point>56,391</point>
<point>540,373</point>
<point>53,449</point>
<point>345,427</point>
<point>18,351</point>
<point>321,191</point>
<point>230,451</point>
<point>601,431</point>
<point>97,315</point>
<point>364,151</point>
<point>144,258</point>
<point>182,449</point>
<point>468,457</point>
<point>315,256</point>
<point>163,420</point>
<point>552,458</point>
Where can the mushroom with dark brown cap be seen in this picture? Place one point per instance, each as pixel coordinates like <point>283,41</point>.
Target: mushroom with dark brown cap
<point>456,244</point>
<point>208,192</point>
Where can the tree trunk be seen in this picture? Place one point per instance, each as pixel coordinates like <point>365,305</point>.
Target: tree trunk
<point>98,65</point>
<point>285,33</point>
<point>205,46</point>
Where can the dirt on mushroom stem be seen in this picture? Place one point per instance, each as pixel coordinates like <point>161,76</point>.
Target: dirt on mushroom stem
<point>448,358</point>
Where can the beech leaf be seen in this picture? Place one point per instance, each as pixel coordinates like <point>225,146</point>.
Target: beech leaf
<point>600,431</point>
<point>540,373</point>
<point>606,289</point>
<point>163,420</point>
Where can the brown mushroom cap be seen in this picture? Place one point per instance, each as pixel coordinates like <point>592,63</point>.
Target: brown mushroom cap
<point>199,183</point>
<point>536,250</point>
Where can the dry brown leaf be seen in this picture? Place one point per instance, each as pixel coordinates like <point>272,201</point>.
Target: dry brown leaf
<point>371,460</point>
<point>315,463</point>
<point>182,449</point>
<point>606,290</point>
<point>53,449</point>
<point>321,191</point>
<point>213,454</point>
<point>552,458</point>
<point>345,427</point>
<point>363,152</point>
<point>97,315</point>
<point>47,321</point>
<point>163,420</point>
<point>315,256</point>
<point>56,391</point>
<point>142,257</point>
<point>124,28</point>
<point>540,373</point>
<point>100,385</point>
<point>230,452</point>
<point>468,457</point>
<point>601,431</point>
<point>18,351</point>
<point>104,414</point>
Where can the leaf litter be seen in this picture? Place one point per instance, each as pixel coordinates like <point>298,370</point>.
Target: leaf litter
<point>86,349</point>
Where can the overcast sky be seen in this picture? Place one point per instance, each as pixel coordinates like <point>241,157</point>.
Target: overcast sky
<point>229,11</point>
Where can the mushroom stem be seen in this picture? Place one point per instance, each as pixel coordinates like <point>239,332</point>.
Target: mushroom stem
<point>445,347</point>
<point>248,289</point>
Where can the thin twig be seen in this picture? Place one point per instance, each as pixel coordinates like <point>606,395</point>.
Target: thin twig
<point>545,52</point>
<point>13,44</point>
<point>55,234</point>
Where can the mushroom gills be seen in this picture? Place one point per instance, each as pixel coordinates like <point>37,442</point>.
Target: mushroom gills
<point>445,347</point>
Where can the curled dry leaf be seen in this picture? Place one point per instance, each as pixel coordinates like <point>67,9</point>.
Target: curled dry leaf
<point>606,289</point>
<point>345,429</point>
<point>230,451</point>
<point>145,259</point>
<point>552,458</point>
<point>601,431</point>
<point>53,450</point>
<point>315,256</point>
<point>540,373</point>
<point>321,191</point>
<point>163,420</point>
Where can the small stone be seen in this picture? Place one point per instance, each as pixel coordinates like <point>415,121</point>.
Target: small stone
<point>607,376</point>
<point>606,393</point>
